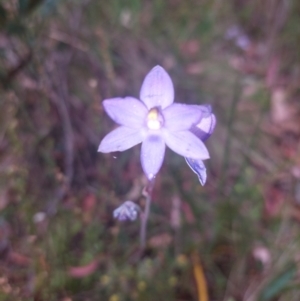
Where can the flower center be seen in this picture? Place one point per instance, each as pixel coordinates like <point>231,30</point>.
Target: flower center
<point>154,119</point>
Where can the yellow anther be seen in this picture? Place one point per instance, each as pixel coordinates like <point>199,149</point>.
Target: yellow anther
<point>154,121</point>
<point>153,114</point>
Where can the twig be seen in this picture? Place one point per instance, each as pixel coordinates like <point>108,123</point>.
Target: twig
<point>60,104</point>
<point>14,71</point>
<point>58,92</point>
<point>60,96</point>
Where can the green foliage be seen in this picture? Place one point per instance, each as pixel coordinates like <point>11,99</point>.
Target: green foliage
<point>278,284</point>
<point>3,16</point>
<point>26,6</point>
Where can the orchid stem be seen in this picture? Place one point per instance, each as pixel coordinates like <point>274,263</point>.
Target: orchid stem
<point>145,214</point>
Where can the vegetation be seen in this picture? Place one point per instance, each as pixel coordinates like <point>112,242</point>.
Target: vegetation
<point>236,238</point>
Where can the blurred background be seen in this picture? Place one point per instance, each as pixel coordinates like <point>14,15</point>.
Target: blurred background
<point>235,239</point>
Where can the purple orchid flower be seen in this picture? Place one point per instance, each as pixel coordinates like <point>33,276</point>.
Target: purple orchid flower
<point>155,121</point>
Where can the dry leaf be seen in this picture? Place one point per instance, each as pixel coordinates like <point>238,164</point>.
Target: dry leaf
<point>272,72</point>
<point>85,270</point>
<point>18,259</point>
<point>89,203</point>
<point>160,241</point>
<point>195,68</point>
<point>280,109</point>
<point>274,199</point>
<point>190,48</point>
<point>188,212</point>
<point>200,279</point>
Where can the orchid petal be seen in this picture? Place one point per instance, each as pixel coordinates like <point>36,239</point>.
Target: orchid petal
<point>157,89</point>
<point>127,111</point>
<point>152,155</point>
<point>186,144</point>
<point>206,109</point>
<point>205,127</point>
<point>198,167</point>
<point>120,139</point>
<point>180,117</point>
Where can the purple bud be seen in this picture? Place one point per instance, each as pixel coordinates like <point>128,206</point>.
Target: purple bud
<point>127,211</point>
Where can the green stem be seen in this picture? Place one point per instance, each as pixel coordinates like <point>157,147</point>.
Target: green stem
<point>145,214</point>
